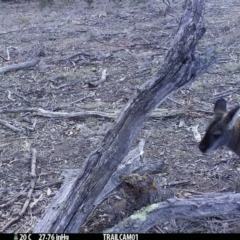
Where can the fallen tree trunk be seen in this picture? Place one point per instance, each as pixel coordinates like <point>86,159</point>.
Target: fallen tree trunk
<point>181,66</point>
<point>206,205</point>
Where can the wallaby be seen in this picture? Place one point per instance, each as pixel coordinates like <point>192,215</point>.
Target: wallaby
<point>224,130</point>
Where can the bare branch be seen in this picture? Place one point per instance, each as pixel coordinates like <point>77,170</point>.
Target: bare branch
<point>6,124</point>
<point>73,56</point>
<point>20,66</point>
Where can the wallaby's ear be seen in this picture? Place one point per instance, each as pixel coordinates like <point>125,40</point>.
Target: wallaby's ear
<point>232,116</point>
<point>220,106</point>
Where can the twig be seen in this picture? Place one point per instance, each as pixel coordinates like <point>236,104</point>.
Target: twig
<point>80,99</point>
<point>83,114</point>
<point>9,96</point>
<point>224,93</point>
<point>6,124</point>
<point>73,56</point>
<point>46,113</point>
<point>168,3</point>
<point>174,101</point>
<point>8,55</point>
<point>34,123</point>
<point>158,113</point>
<point>66,84</point>
<point>29,196</point>
<point>18,110</point>
<point>97,83</point>
<point>71,103</point>
<point>23,192</point>
<point>23,98</point>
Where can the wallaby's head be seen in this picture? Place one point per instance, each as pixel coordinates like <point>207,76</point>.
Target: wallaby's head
<point>224,130</point>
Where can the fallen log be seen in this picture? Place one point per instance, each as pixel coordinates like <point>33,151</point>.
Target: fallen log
<point>200,206</point>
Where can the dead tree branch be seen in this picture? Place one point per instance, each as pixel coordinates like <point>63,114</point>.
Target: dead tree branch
<point>50,114</point>
<point>181,66</point>
<point>158,113</point>
<point>200,206</point>
<point>39,51</point>
<point>20,66</point>
<point>73,56</point>
<point>6,124</point>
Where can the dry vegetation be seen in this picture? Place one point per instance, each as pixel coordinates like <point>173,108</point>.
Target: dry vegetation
<point>130,40</point>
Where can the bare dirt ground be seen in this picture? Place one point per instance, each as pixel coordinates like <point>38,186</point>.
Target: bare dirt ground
<point>130,40</point>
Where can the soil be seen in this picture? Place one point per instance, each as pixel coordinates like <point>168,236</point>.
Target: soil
<point>130,40</point>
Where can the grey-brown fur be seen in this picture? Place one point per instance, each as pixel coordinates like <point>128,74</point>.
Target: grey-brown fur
<point>224,130</point>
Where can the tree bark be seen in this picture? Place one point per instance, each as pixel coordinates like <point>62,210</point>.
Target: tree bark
<point>181,66</point>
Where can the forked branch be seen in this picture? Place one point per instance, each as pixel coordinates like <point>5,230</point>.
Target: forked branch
<point>181,66</point>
